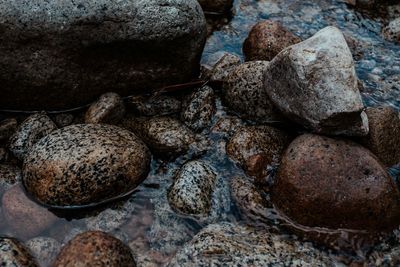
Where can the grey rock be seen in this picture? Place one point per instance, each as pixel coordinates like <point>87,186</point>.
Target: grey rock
<point>192,189</point>
<point>155,106</point>
<point>67,53</point>
<point>14,253</point>
<point>29,132</point>
<point>199,109</point>
<point>109,109</point>
<point>218,65</point>
<point>85,164</point>
<point>7,128</point>
<point>392,31</point>
<point>314,84</point>
<point>44,249</point>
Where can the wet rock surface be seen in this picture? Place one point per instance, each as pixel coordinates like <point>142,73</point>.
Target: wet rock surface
<point>108,109</point>
<point>85,164</point>
<point>95,248</point>
<point>44,249</point>
<point>14,253</point>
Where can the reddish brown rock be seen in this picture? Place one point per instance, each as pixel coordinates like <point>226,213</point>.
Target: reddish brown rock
<point>266,39</point>
<point>335,183</point>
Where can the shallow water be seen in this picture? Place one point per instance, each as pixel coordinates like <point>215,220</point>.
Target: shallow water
<point>146,222</point>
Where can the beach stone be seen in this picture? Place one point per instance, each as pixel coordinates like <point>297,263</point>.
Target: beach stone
<point>85,164</point>
<point>7,128</point>
<point>216,6</point>
<point>95,248</point>
<point>160,105</point>
<point>392,31</point>
<point>314,83</point>
<point>29,132</point>
<point>109,109</point>
<point>192,188</point>
<point>233,245</point>
<point>336,184</point>
<point>266,39</point>
<point>14,253</point>
<point>60,55</point>
<point>44,249</point>
<point>243,92</point>
<point>218,65</point>
<point>199,109</point>
<point>24,216</point>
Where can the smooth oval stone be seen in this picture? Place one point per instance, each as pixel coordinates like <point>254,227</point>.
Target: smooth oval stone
<point>13,253</point>
<point>85,164</point>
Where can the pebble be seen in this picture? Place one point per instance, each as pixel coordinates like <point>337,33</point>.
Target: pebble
<point>160,105</point>
<point>108,109</point>
<point>14,253</point>
<point>392,31</point>
<point>218,66</point>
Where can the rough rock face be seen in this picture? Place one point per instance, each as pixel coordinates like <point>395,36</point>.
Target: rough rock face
<point>314,83</point>
<point>335,183</point>
<point>95,249</point>
<point>192,188</point>
<point>108,109</point>
<point>44,249</point>
<point>62,54</point>
<point>226,244</point>
<point>266,39</point>
<point>13,253</point>
<point>85,164</point>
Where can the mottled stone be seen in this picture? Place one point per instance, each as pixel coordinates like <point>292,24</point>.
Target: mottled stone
<point>85,164</point>
<point>227,126</point>
<point>216,6</point>
<point>392,31</point>
<point>95,249</point>
<point>29,132</point>
<point>192,189</point>
<point>63,119</point>
<point>218,65</point>
<point>199,108</point>
<point>335,183</point>
<point>44,249</point>
<point>9,175</point>
<point>24,216</point>
<point>109,109</point>
<point>243,92</point>
<point>266,39</point>
<point>13,253</point>
<point>160,105</point>
<point>226,244</point>
<point>314,83</point>
<point>7,128</point>
<point>58,55</point>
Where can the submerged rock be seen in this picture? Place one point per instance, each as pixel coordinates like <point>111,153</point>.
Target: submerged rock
<point>335,183</point>
<point>266,39</point>
<point>13,253</point>
<point>95,249</point>
<point>85,164</point>
<point>44,249</point>
<point>192,188</point>
<point>108,109</point>
<point>85,49</point>
<point>314,84</point>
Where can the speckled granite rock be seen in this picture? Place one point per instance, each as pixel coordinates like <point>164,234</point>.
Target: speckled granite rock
<point>392,31</point>
<point>226,244</point>
<point>9,175</point>
<point>44,249</point>
<point>7,128</point>
<point>218,65</point>
<point>84,49</point>
<point>13,253</point>
<point>199,109</point>
<point>85,164</point>
<point>314,83</point>
<point>29,132</point>
<point>192,188</point>
<point>95,249</point>
<point>154,106</point>
<point>109,109</point>
<point>243,92</point>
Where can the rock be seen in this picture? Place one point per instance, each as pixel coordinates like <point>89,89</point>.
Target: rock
<point>336,184</point>
<point>314,84</point>
<point>109,109</point>
<point>244,93</point>
<point>82,50</point>
<point>155,106</point>
<point>192,188</point>
<point>218,65</point>
<point>199,109</point>
<point>85,164</point>
<point>383,138</point>
<point>266,39</point>
<point>3,155</point>
<point>226,244</point>
<point>7,128</point>
<point>64,119</point>
<point>164,135</point>
<point>392,31</point>
<point>256,147</point>
<point>29,132</point>
<point>24,216</point>
<point>216,6</point>
<point>227,126</point>
<point>13,253</point>
<point>95,249</point>
<point>44,249</point>
<point>9,175</point>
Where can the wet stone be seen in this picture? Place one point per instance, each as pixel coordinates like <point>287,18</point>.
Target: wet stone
<point>160,105</point>
<point>95,248</point>
<point>108,109</point>
<point>29,132</point>
<point>218,65</point>
<point>14,253</point>
<point>392,31</point>
<point>7,128</point>
<point>227,126</point>
<point>85,164</point>
<point>44,249</point>
<point>9,176</point>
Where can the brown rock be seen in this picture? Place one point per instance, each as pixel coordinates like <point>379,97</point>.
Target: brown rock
<point>266,39</point>
<point>335,183</point>
<point>109,109</point>
<point>95,249</point>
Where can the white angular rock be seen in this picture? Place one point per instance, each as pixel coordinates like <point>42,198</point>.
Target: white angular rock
<point>314,83</point>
